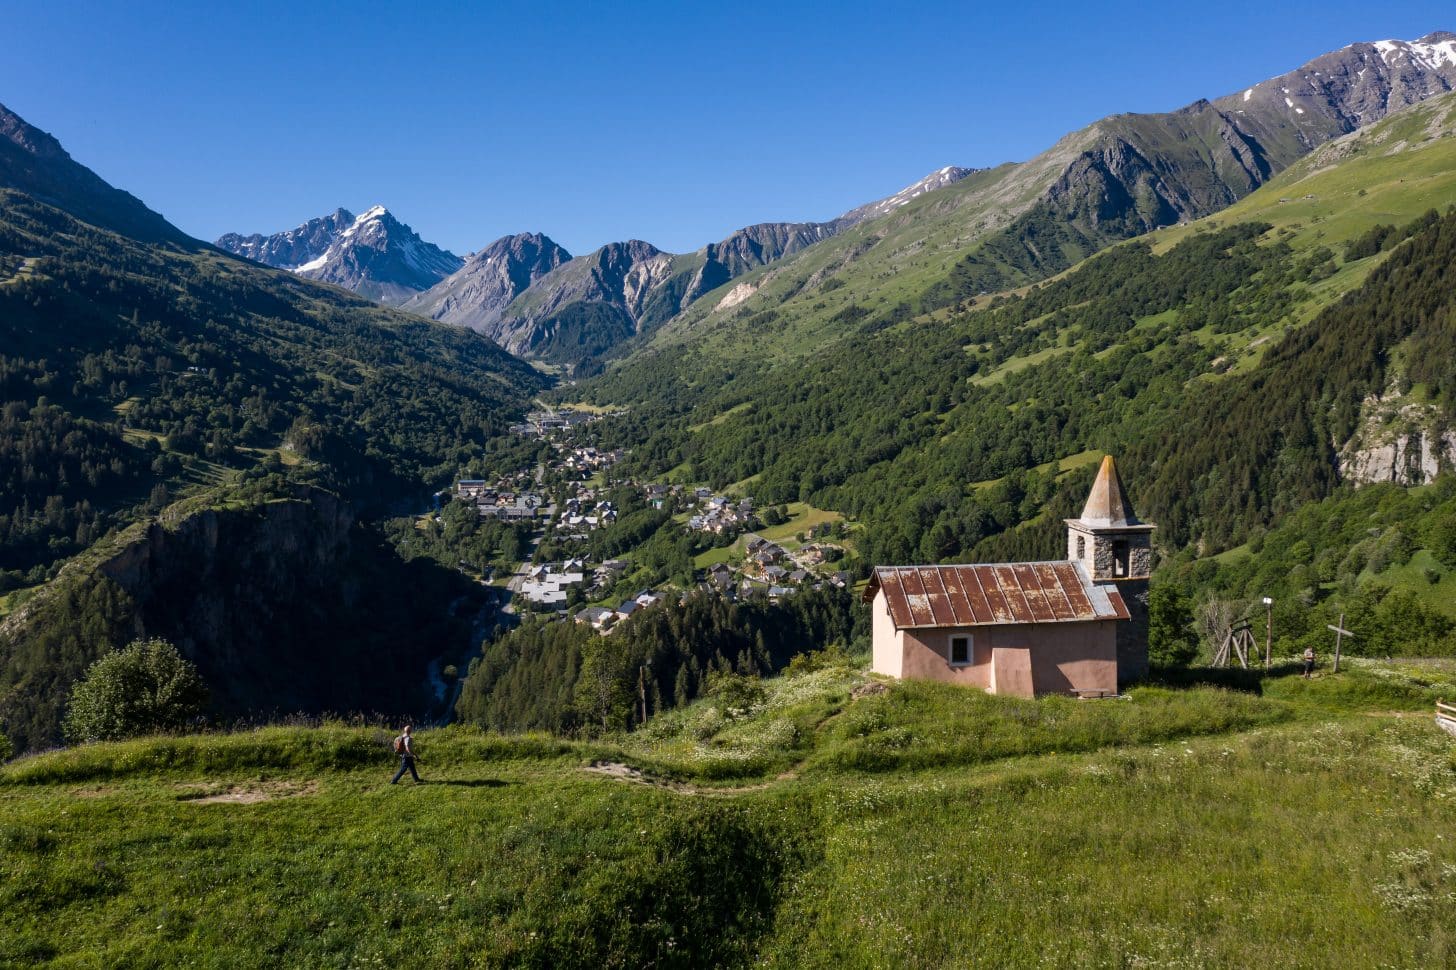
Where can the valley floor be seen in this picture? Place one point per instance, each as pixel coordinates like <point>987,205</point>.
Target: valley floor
<point>828,823</point>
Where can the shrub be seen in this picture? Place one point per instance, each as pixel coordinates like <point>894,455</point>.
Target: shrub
<point>810,661</point>
<point>5,749</point>
<point>1172,641</point>
<point>735,693</point>
<point>145,688</point>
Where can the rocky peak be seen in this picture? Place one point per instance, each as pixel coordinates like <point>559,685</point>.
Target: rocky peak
<point>373,254</point>
<point>474,295</point>
<point>28,137</point>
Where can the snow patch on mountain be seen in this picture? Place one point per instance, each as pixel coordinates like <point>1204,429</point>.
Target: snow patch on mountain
<point>1431,55</point>
<point>938,179</point>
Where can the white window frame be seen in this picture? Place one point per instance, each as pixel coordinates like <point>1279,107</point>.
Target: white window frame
<point>970,650</point>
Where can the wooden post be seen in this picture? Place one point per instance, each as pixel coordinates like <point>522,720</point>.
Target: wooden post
<point>642,690</point>
<point>1340,632</point>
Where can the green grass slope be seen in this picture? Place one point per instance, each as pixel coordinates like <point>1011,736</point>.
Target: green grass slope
<point>914,827</point>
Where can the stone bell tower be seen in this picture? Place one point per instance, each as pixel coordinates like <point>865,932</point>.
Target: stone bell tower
<point>1117,549</point>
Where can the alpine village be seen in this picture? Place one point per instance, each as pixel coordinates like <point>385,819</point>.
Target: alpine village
<point>1051,563</point>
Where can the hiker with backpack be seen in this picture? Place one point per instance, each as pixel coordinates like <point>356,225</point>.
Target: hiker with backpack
<point>404,747</point>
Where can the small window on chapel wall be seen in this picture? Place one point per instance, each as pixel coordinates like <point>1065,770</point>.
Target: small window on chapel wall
<point>960,651</point>
<point>1081,548</point>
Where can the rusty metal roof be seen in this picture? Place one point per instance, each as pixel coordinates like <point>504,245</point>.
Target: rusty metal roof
<point>996,593</point>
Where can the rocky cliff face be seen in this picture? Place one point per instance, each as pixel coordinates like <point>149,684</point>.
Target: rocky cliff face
<point>284,605</point>
<point>1400,441</point>
<point>1146,171</point>
<point>373,254</point>
<point>474,295</point>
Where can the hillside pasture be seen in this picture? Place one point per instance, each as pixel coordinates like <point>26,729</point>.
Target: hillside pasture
<point>1296,823</point>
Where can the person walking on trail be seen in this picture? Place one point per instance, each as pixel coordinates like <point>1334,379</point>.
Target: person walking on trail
<point>1308,662</point>
<point>404,747</point>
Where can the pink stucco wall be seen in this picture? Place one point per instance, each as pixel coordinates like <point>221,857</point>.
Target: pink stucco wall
<point>887,652</point>
<point>1024,659</point>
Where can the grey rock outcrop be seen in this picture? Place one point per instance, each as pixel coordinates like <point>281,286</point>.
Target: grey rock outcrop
<point>1398,440</point>
<point>475,294</point>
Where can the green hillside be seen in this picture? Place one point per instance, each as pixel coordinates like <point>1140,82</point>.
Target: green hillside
<point>131,371</point>
<point>917,826</point>
<point>1178,351</point>
<point>133,374</point>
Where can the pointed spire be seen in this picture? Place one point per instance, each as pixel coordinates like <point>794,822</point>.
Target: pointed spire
<point>1107,505</point>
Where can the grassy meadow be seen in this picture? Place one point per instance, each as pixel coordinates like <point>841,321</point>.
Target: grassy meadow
<point>828,821</point>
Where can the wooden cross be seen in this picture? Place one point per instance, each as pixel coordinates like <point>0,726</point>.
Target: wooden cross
<point>1339,631</point>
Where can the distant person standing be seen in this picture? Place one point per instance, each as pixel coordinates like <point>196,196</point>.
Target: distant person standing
<point>404,747</point>
<point>1308,662</point>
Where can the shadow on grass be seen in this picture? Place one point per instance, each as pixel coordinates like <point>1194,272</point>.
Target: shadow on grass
<point>470,782</point>
<point>1249,680</point>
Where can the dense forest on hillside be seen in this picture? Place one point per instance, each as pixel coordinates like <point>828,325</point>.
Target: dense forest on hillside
<point>124,366</point>
<point>1136,352</point>
<point>1243,453</point>
<point>567,677</point>
<point>1381,558</point>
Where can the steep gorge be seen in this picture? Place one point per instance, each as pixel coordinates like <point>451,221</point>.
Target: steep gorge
<point>285,604</point>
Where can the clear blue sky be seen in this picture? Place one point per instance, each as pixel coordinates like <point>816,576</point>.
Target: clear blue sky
<point>670,122</point>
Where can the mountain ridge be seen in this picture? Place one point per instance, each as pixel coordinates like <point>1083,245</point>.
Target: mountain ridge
<point>1118,177</point>
<point>34,162</point>
<point>373,254</point>
<point>586,307</point>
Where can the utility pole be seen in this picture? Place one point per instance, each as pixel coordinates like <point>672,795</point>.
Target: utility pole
<point>1268,629</point>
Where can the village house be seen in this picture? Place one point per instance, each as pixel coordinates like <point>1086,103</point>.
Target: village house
<point>811,555</point>
<point>547,582</point>
<point>1072,627</point>
<point>470,488</point>
<point>599,618</point>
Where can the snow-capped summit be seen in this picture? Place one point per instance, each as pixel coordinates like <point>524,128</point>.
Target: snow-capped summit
<point>1432,52</point>
<point>373,254</point>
